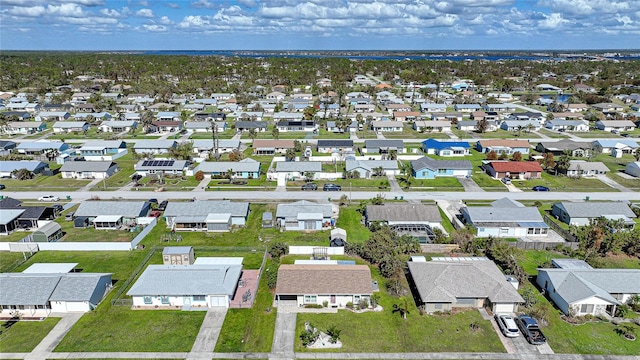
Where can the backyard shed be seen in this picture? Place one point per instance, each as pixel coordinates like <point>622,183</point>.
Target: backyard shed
<point>81,222</point>
<point>178,255</point>
<point>267,219</point>
<point>48,233</point>
<point>338,238</point>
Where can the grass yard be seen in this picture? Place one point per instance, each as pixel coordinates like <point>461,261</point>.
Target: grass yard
<point>250,330</point>
<point>563,183</point>
<point>552,134</point>
<point>437,184</point>
<point>349,219</point>
<point>118,328</point>
<point>24,336</point>
<point>90,234</point>
<point>347,185</point>
<point>487,183</point>
<point>9,260</point>
<point>598,338</point>
<point>632,184</point>
<point>531,260</point>
<point>366,134</point>
<point>44,183</point>
<point>503,134</point>
<point>227,134</point>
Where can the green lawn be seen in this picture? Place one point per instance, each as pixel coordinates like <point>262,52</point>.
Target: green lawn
<point>24,336</point>
<point>350,220</point>
<point>633,184</point>
<point>553,134</point>
<point>347,185</point>
<point>486,182</point>
<point>227,134</point>
<point>250,330</point>
<point>563,183</point>
<point>503,134</point>
<point>437,184</point>
<point>44,183</point>
<point>118,328</point>
<point>531,260</point>
<point>9,260</point>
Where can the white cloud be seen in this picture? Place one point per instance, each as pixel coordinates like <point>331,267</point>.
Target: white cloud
<point>551,21</point>
<point>248,3</point>
<point>32,11</point>
<point>146,13</point>
<point>192,21</point>
<point>155,28</point>
<point>199,4</point>
<point>115,13</point>
<point>69,10</point>
<point>89,3</point>
<point>165,21</point>
<point>173,5</point>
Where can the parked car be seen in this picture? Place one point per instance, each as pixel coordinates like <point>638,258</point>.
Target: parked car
<point>136,177</point>
<point>540,188</point>
<point>68,216</point>
<point>48,198</point>
<point>506,181</point>
<point>624,135</point>
<point>507,325</point>
<point>152,201</point>
<point>163,205</point>
<point>310,186</point>
<point>331,187</point>
<point>57,208</point>
<point>530,329</point>
<point>2,187</point>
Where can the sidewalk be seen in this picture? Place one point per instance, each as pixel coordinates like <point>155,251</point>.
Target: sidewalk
<point>55,336</point>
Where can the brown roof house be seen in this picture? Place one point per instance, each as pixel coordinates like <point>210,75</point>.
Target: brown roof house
<point>522,170</point>
<point>337,285</point>
<point>270,147</point>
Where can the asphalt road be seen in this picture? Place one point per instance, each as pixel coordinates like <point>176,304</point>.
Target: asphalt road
<point>325,195</point>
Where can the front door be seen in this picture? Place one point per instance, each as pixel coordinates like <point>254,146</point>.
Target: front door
<point>333,299</point>
<point>187,301</point>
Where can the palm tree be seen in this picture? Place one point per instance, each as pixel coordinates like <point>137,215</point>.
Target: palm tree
<point>402,308</point>
<point>275,133</point>
<point>563,163</point>
<point>482,126</point>
<point>252,134</point>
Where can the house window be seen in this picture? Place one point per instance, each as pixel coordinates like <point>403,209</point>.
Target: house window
<point>504,230</point>
<point>310,299</point>
<point>466,301</point>
<point>442,171</point>
<point>198,298</point>
<point>164,300</point>
<point>586,308</point>
<point>147,300</point>
<point>437,306</point>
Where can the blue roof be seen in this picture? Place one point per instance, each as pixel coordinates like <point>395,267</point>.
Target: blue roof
<point>533,224</point>
<point>435,144</point>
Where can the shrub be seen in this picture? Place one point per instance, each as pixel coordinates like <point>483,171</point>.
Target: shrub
<point>349,305</point>
<point>309,336</point>
<point>199,175</point>
<point>363,304</point>
<point>313,306</point>
<point>325,303</point>
<point>272,277</point>
<point>334,333</point>
<point>276,250</point>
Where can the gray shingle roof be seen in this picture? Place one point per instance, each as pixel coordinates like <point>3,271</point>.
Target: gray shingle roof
<point>205,207</point>
<point>429,163</point>
<point>31,165</point>
<point>335,143</point>
<point>575,285</point>
<point>223,166</point>
<point>76,287</point>
<point>324,280</point>
<point>291,210</point>
<point>377,144</point>
<point>371,164</point>
<point>187,280</point>
<point>38,289</point>
<point>587,165</point>
<point>596,209</point>
<point>298,166</point>
<point>444,281</point>
<point>128,209</point>
<point>403,212</point>
<point>94,166</point>
<point>491,214</point>
<point>154,144</point>
<point>208,144</point>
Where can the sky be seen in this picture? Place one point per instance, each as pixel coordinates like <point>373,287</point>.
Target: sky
<point>319,24</point>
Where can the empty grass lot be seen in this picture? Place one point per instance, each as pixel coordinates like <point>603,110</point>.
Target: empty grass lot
<point>24,336</point>
<point>44,183</point>
<point>350,220</point>
<point>564,183</point>
<point>503,134</point>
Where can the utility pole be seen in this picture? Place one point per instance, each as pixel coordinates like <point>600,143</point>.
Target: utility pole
<point>214,130</point>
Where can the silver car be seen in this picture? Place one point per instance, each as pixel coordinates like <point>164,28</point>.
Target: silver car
<point>507,325</point>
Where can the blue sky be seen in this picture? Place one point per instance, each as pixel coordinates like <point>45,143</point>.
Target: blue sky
<point>318,24</point>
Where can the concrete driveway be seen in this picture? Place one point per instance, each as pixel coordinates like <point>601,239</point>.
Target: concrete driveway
<point>284,334</point>
<point>469,185</point>
<point>209,330</point>
<point>519,345</point>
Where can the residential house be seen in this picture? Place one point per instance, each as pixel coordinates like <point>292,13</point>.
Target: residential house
<point>35,216</point>
<point>568,115</point>
<point>40,147</point>
<point>102,150</point>
<point>581,213</point>
<point>70,126</point>
<point>584,88</point>
<point>333,285</point>
<point>520,125</point>
<point>206,215</point>
<point>444,284</point>
<point>305,215</point>
<point>7,145</point>
<point>633,169</point>
<point>118,126</point>
<point>595,292</point>
<point>468,108</point>
<point>80,116</point>
<point>429,126</point>
<point>165,126</point>
<point>154,146</point>
<point>472,125</point>
<point>223,96</point>
<point>160,167</point>
<point>406,115</point>
<point>515,170</point>
<point>19,127</point>
<point>558,148</point>
<point>289,125</point>
<point>506,107</point>
<point>577,108</point>
<point>416,220</point>
<point>431,108</point>
<point>112,214</point>
<point>445,148</point>
<point>186,287</point>
<point>505,218</point>
<point>428,168</point>
<point>503,146</point>
<point>204,147</point>
<point>368,168</point>
<point>623,146</point>
<point>258,126</point>
<point>54,115</point>
<point>393,108</point>
<point>387,126</point>
<point>297,169</point>
<point>37,295</point>
<point>88,108</point>
<point>201,126</point>
<point>615,125</point>
<point>88,169</point>
<point>608,108</point>
<point>213,116</point>
<point>275,96</point>
<point>287,116</point>
<point>527,115</point>
<point>271,147</point>
<point>582,168</point>
<point>333,146</point>
<point>17,115</point>
<point>9,220</point>
<point>243,169</point>
<point>569,125</point>
<point>7,167</point>
<point>452,117</point>
<point>383,146</point>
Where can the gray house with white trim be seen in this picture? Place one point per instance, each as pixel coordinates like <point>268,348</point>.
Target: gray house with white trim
<point>305,215</point>
<point>206,215</point>
<point>581,213</point>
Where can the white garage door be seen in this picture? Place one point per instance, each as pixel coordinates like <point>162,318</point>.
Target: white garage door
<point>218,301</point>
<point>503,308</point>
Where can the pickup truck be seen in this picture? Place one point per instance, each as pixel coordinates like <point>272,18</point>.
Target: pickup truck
<point>529,328</point>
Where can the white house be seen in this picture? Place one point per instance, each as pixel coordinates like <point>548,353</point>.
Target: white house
<point>367,168</point>
<point>570,125</point>
<point>387,126</point>
<point>335,285</point>
<point>88,169</point>
<point>304,215</point>
<point>206,215</point>
<point>170,287</point>
<point>70,126</point>
<point>118,126</point>
<point>505,218</point>
<point>633,169</point>
<point>617,125</point>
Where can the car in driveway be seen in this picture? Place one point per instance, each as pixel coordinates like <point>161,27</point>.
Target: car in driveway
<point>68,216</point>
<point>48,198</point>
<point>163,205</point>
<point>507,325</point>
<point>506,180</point>
<point>331,187</point>
<point>2,187</point>
<point>309,186</point>
<point>530,329</point>
<point>540,188</point>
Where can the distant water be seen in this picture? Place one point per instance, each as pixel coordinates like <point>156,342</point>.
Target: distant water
<point>312,55</point>
<point>559,98</point>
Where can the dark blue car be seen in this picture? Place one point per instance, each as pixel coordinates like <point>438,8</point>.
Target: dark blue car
<point>540,188</point>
